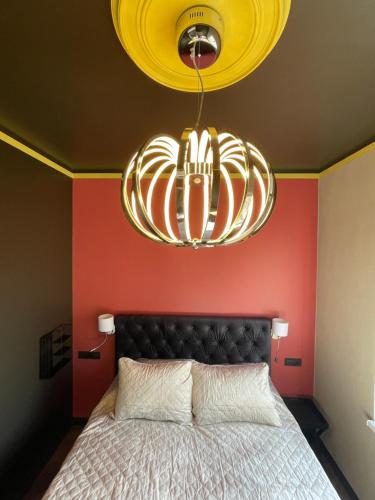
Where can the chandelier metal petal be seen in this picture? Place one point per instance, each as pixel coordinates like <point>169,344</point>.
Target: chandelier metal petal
<point>205,190</point>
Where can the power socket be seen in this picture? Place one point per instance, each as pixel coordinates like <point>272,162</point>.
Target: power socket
<point>89,355</point>
<point>293,362</point>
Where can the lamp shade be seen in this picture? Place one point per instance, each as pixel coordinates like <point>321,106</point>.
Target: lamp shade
<point>106,323</point>
<point>279,328</point>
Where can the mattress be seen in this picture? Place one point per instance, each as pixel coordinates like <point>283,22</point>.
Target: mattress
<point>139,459</point>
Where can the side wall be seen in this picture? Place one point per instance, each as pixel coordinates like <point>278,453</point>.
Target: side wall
<point>345,343</point>
<point>117,270</point>
<point>35,290</point>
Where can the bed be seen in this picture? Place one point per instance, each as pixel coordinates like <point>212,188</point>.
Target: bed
<point>141,459</point>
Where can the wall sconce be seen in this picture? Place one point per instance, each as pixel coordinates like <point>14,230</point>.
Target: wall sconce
<point>279,330</point>
<point>106,325</point>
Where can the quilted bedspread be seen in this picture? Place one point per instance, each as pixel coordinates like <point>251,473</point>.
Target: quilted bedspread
<point>145,460</point>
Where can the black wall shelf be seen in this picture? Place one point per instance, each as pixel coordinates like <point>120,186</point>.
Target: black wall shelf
<point>55,350</point>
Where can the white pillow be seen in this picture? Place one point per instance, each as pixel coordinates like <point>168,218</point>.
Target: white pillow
<point>156,361</point>
<point>230,393</point>
<point>154,391</point>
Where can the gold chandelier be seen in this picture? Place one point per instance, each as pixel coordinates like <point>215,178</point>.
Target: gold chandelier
<point>205,174</point>
<point>207,189</point>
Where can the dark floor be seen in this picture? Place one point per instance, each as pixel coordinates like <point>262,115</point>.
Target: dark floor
<point>42,482</point>
<point>50,470</point>
<point>336,477</point>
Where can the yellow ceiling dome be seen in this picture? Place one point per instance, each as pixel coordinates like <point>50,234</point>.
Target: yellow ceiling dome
<point>235,37</point>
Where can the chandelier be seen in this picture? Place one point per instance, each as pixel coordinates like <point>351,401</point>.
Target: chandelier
<point>207,188</point>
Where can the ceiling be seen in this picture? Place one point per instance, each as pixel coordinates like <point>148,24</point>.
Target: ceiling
<point>68,89</point>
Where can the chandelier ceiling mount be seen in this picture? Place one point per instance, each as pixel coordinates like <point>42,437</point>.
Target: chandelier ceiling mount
<point>241,35</point>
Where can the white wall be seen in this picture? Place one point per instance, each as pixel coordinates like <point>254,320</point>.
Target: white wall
<point>345,341</point>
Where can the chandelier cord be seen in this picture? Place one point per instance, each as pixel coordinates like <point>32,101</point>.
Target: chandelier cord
<point>200,84</point>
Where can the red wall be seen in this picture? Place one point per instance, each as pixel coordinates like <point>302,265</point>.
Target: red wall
<point>117,270</point>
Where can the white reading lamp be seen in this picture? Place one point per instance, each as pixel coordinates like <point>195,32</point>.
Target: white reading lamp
<point>106,325</point>
<point>279,330</point>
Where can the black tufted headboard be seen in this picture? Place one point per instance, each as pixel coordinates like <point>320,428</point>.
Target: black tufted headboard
<point>208,339</point>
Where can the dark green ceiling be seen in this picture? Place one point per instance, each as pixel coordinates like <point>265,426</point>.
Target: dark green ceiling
<point>68,89</point>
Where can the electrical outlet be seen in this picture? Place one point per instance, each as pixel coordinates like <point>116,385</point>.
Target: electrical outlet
<point>293,362</point>
<point>89,355</point>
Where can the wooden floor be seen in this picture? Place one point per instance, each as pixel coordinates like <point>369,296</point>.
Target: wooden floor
<point>42,482</point>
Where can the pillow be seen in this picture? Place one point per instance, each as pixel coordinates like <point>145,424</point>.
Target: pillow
<point>154,391</point>
<point>231,393</point>
<point>156,361</point>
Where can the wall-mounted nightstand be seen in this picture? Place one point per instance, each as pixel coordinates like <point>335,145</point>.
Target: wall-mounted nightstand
<point>309,418</point>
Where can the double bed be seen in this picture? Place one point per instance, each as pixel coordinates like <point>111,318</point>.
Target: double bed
<point>142,459</point>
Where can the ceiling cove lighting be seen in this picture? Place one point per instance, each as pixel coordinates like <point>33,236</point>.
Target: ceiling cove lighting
<point>208,188</point>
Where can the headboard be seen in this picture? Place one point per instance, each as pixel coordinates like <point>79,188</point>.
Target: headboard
<point>208,339</point>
